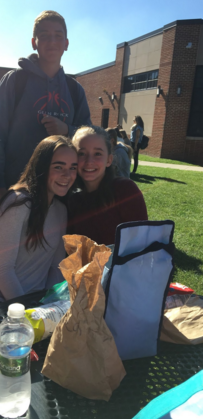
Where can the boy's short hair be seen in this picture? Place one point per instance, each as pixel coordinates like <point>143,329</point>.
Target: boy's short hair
<point>48,15</point>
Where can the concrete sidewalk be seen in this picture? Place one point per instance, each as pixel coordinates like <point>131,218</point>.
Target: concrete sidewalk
<point>170,166</point>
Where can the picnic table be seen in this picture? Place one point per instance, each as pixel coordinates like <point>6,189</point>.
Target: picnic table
<point>146,379</point>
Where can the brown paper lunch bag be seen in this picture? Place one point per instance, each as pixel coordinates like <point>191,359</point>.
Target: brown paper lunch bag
<point>184,325</point>
<point>82,355</point>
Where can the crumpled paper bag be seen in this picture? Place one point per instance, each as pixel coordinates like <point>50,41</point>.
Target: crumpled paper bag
<point>184,325</point>
<point>82,354</point>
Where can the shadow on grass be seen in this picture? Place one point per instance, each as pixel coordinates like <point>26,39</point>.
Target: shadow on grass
<point>150,179</point>
<point>187,263</point>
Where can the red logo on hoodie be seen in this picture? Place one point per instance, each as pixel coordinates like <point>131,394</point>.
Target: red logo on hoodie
<point>52,98</point>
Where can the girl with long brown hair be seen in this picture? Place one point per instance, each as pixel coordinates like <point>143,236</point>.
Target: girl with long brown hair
<point>33,220</point>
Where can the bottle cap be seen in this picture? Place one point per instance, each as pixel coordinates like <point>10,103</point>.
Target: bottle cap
<point>16,310</point>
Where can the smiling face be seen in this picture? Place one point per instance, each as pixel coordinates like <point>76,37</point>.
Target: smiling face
<point>50,41</point>
<point>93,158</point>
<point>62,172</point>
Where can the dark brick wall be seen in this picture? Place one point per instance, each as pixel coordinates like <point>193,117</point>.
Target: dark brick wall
<point>171,116</point>
<point>155,145</point>
<point>103,83</point>
<point>178,107</point>
<point>194,152</point>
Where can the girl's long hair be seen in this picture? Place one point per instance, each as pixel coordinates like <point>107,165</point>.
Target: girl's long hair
<point>33,185</point>
<point>104,193</point>
<point>139,121</point>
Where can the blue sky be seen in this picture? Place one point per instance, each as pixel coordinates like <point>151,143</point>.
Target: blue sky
<point>94,27</point>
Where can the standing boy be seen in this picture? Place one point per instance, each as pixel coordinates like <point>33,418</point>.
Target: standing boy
<point>39,100</point>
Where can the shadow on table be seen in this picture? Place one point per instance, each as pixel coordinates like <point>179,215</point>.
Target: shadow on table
<point>125,402</point>
<point>186,262</point>
<point>146,379</point>
<point>36,367</point>
<point>31,414</point>
<point>150,179</point>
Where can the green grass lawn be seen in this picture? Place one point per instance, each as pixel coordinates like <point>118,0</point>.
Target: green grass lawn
<point>178,195</point>
<point>144,157</point>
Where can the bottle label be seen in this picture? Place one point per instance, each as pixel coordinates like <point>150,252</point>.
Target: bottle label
<point>12,367</point>
<point>45,318</point>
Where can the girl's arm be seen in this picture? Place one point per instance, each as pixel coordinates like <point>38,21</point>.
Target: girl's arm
<point>11,224</point>
<point>133,134</point>
<point>55,276</point>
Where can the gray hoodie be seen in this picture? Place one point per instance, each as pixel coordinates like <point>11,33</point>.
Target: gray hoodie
<point>121,161</point>
<point>20,128</point>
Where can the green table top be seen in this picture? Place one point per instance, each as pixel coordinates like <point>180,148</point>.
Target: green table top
<point>146,379</point>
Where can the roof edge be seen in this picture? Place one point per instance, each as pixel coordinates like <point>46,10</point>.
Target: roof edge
<point>161,30</point>
<point>143,37</point>
<point>101,67</point>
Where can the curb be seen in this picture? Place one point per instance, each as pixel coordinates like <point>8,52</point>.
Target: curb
<point>170,166</point>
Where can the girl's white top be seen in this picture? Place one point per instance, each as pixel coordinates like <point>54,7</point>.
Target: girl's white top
<point>24,271</point>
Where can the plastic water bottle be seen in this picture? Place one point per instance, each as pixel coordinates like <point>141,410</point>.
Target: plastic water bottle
<point>16,338</point>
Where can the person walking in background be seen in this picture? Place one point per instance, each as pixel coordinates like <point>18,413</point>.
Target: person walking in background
<point>136,138</point>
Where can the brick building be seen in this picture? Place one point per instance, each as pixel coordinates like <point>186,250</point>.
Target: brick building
<point>170,57</point>
<point>160,77</point>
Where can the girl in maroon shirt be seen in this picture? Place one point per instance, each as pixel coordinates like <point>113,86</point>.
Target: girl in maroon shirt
<point>103,201</point>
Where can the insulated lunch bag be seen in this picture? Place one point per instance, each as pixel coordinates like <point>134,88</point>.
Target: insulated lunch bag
<point>137,284</point>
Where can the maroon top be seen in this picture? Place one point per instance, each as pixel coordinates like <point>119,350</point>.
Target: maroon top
<point>100,224</point>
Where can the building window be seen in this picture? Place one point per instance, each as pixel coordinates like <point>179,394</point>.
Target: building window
<point>195,126</point>
<point>142,81</point>
<point>105,118</point>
